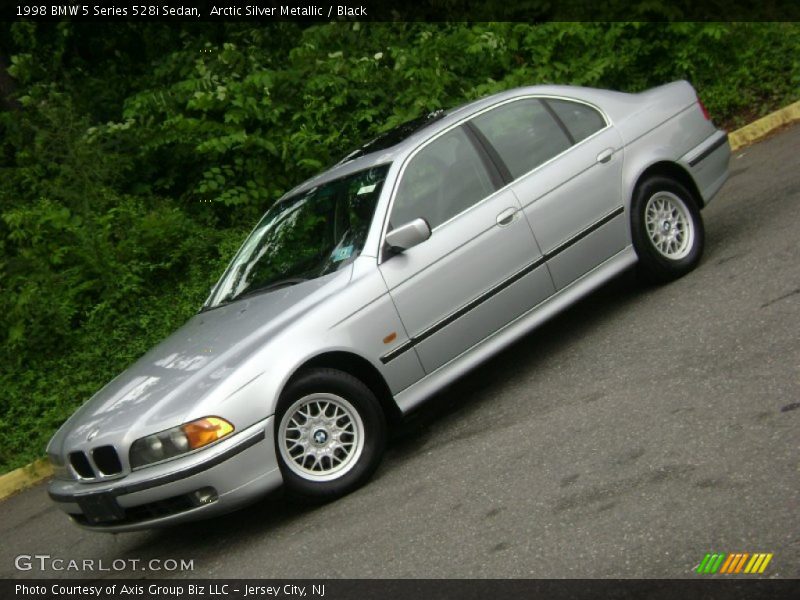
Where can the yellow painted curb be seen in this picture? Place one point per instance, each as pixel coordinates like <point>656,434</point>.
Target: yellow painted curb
<point>24,477</point>
<point>764,126</point>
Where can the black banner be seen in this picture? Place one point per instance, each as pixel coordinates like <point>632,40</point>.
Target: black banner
<point>440,589</point>
<point>266,11</point>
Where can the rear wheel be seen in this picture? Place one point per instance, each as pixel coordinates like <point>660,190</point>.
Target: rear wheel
<point>667,229</point>
<point>330,434</point>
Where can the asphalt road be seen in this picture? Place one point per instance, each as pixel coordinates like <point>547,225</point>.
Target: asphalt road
<point>638,431</point>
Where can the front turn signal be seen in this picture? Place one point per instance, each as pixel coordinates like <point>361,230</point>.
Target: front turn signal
<point>205,431</point>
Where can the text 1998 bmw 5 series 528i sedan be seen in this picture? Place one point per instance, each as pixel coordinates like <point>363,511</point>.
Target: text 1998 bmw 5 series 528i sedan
<point>371,286</point>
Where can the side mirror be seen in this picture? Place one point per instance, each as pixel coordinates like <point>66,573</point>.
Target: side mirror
<point>408,235</point>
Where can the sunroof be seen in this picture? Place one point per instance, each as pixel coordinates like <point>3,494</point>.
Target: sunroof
<point>395,135</point>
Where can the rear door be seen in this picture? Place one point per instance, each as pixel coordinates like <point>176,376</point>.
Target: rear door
<point>479,270</point>
<point>566,164</point>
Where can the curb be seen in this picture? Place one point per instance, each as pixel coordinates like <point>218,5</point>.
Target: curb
<point>759,129</point>
<point>33,473</point>
<point>24,477</point>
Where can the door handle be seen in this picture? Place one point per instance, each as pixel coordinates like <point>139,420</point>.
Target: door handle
<point>605,155</point>
<point>505,217</point>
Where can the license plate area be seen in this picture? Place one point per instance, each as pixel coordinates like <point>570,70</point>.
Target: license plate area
<point>100,508</point>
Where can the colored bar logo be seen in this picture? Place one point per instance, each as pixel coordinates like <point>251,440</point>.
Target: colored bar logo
<point>735,563</point>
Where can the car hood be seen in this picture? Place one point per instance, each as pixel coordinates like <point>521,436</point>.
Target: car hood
<point>160,388</point>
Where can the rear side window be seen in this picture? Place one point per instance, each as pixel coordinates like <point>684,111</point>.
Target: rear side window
<point>443,179</point>
<point>581,120</point>
<point>524,134</point>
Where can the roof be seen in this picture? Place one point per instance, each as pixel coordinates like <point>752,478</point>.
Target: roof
<point>428,126</point>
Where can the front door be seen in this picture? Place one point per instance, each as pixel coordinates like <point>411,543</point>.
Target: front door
<point>481,267</point>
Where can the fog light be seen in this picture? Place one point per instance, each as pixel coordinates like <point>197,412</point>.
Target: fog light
<point>206,495</point>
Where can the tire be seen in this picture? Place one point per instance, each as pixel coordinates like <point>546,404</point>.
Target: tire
<point>340,430</point>
<point>667,229</point>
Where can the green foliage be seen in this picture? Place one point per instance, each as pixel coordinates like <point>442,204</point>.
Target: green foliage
<point>133,160</point>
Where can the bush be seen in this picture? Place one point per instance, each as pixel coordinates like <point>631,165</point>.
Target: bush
<point>133,160</point>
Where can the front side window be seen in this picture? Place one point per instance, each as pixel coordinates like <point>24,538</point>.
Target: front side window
<point>443,179</point>
<point>304,236</point>
<point>524,133</point>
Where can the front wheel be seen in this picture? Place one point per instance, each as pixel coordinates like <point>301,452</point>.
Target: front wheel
<point>667,229</point>
<point>330,434</point>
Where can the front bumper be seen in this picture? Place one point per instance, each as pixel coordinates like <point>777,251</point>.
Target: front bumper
<point>237,470</point>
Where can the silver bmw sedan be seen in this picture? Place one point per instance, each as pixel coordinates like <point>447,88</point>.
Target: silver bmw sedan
<point>371,286</point>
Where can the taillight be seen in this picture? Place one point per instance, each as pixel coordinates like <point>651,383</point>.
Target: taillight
<point>704,109</point>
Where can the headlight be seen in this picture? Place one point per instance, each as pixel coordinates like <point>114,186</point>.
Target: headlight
<point>178,440</point>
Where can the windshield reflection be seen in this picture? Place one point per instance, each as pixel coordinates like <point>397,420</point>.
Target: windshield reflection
<point>303,237</point>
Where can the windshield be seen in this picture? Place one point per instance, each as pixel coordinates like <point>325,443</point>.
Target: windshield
<point>303,237</point>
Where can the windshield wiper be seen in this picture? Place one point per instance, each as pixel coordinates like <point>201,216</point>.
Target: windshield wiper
<point>259,290</point>
<point>271,286</point>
